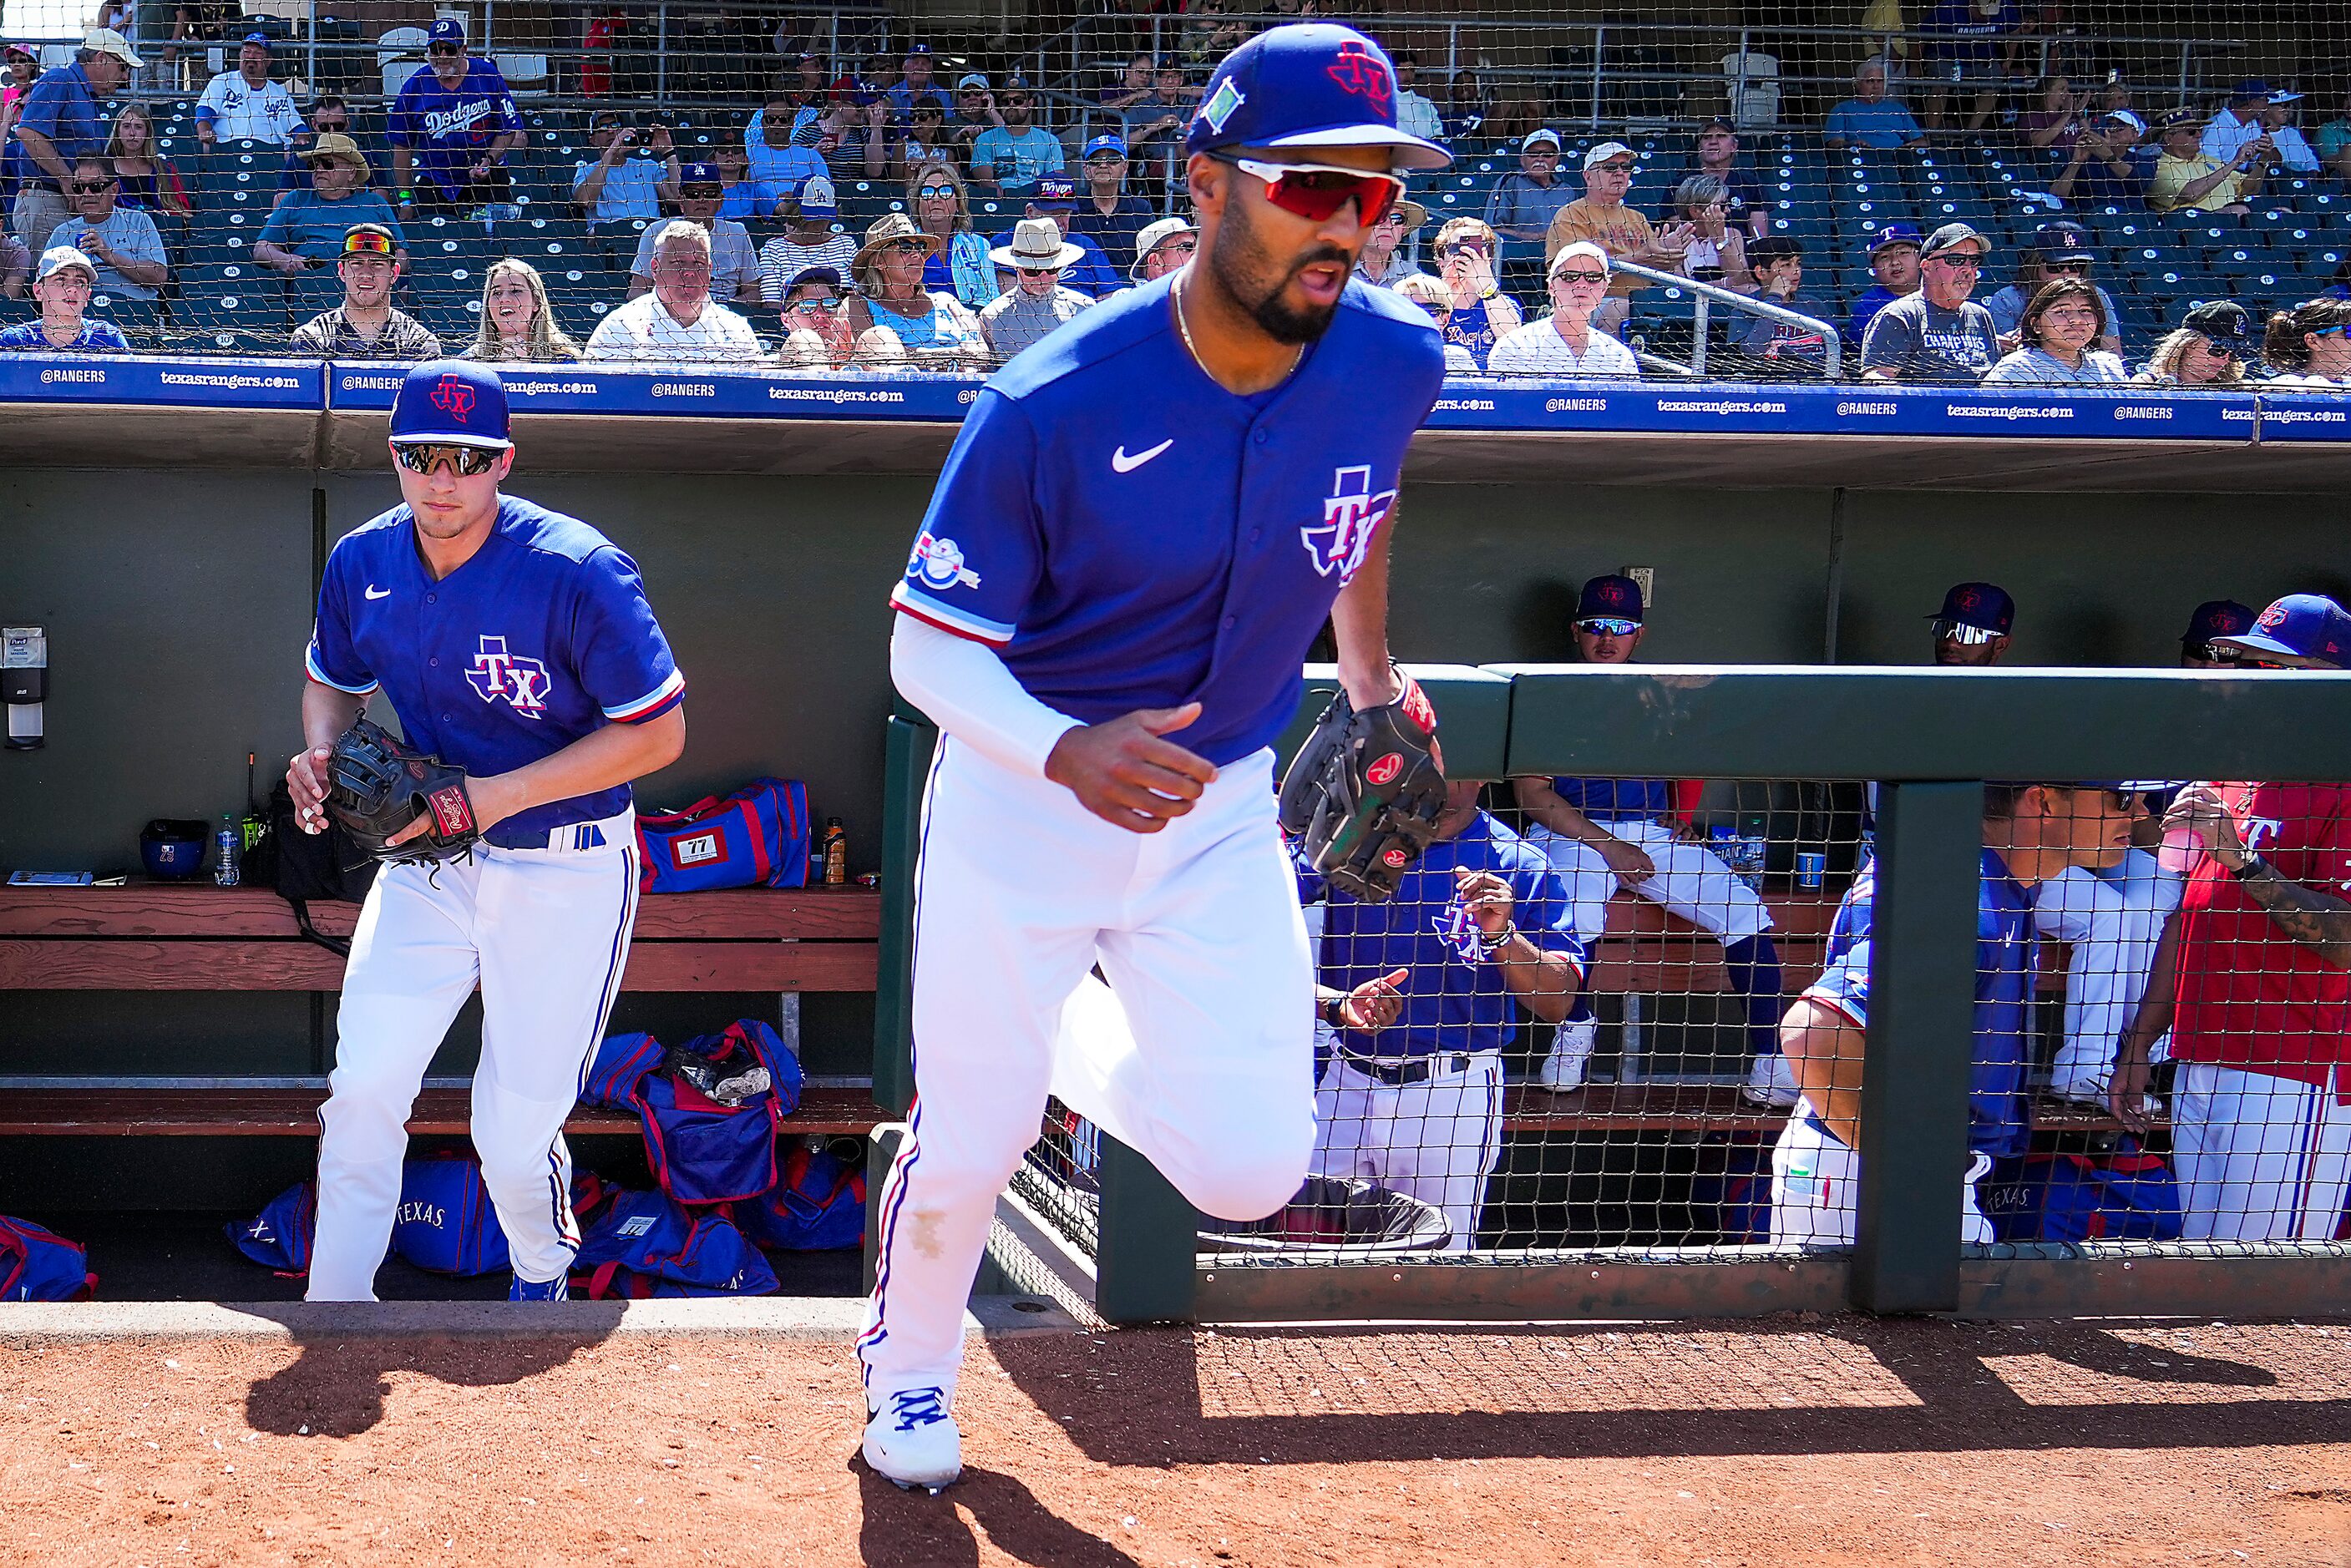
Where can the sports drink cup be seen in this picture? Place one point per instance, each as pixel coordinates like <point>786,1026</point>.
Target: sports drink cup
<point>1811,867</point>
<point>2180,848</point>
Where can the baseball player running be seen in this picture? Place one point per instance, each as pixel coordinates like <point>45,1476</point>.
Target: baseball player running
<point>2254,981</point>
<point>2031,833</point>
<point>516,644</point>
<point>1602,834</point>
<point>1146,519</point>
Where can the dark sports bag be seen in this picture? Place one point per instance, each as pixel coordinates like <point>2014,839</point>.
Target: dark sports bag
<point>300,867</point>
<point>619,1071</point>
<point>818,1204</point>
<point>279,1237</point>
<point>2128,1195</point>
<point>635,1245</point>
<point>705,1152</point>
<point>756,837</point>
<point>446,1223</point>
<point>40,1265</point>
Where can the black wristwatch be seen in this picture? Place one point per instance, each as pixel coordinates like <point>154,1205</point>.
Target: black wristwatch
<point>1331,1012</point>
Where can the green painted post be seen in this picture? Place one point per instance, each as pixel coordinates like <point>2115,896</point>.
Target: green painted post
<point>907,765</point>
<point>1148,1238</point>
<point>1913,1093</point>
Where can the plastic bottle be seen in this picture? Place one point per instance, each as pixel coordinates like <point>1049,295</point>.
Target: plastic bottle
<point>228,845</point>
<point>1755,840</point>
<point>836,852</point>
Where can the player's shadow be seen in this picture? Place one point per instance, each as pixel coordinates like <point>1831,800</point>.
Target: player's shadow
<point>1826,1386</point>
<point>340,1375</point>
<point>917,1530</point>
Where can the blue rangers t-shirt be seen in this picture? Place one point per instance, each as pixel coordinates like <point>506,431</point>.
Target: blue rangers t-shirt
<point>1454,998</point>
<point>543,637</point>
<point>1126,551</point>
<point>2006,965</point>
<point>448,128</point>
<point>1613,800</point>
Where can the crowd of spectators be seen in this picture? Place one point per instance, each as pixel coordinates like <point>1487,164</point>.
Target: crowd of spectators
<point>1099,172</point>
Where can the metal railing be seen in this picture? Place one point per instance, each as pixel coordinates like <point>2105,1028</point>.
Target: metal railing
<point>1706,295</point>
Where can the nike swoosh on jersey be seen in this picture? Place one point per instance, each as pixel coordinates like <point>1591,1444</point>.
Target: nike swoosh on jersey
<point>1126,464</point>
<point>371,591</point>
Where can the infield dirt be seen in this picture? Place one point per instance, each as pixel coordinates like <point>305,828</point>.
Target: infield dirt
<point>1819,1442</point>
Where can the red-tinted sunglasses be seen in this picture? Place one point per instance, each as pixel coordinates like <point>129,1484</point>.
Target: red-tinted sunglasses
<point>1315,191</point>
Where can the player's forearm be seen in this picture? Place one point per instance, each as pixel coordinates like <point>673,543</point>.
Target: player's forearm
<point>1359,621</point>
<point>968,691</point>
<point>327,712</point>
<point>2310,918</point>
<point>1541,981</point>
<point>601,760</point>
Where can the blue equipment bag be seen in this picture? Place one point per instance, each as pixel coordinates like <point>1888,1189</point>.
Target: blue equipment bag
<point>2128,1195</point>
<point>705,1152</point>
<point>640,1244</point>
<point>819,1204</point>
<point>756,837</point>
<point>279,1239</point>
<point>619,1068</point>
<point>446,1223</point>
<point>38,1265</point>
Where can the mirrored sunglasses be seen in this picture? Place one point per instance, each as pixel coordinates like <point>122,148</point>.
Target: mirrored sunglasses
<point>367,244</point>
<point>1315,191</point>
<point>469,461</point>
<point>817,306</point>
<point>1608,625</point>
<point>936,194</point>
<point>1964,634</point>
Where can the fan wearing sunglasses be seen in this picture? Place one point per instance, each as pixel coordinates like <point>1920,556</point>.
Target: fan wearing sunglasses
<point>1569,341</point>
<point>451,126</point>
<point>1971,630</point>
<point>1146,522</point>
<point>516,645</point>
<point>365,326</point>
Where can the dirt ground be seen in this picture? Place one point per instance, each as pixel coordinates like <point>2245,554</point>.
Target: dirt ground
<point>1817,1442</point>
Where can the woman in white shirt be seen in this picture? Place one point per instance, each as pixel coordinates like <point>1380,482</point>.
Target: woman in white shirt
<point>2065,318</point>
<point>1566,343</point>
<point>2310,346</point>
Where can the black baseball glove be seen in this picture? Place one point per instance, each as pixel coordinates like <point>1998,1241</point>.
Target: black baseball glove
<point>1363,794</point>
<point>377,787</point>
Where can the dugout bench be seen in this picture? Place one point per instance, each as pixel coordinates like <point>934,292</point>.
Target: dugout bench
<point>178,936</point>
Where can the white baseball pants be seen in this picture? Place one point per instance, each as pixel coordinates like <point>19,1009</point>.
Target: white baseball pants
<point>546,933</point>
<point>2113,920</point>
<point>1816,1187</point>
<point>1437,1140</point>
<point>1019,892</point>
<point>2260,1158</point>
<point>1691,880</point>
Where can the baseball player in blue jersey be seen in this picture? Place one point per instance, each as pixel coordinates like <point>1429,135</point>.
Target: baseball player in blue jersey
<point>516,643</point>
<point>1107,613</point>
<point>1482,933</point>
<point>2031,833</point>
<point>1602,834</point>
<point>451,124</point>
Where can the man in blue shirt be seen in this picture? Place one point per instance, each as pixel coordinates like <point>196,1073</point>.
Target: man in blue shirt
<point>1107,613</point>
<point>1894,262</point>
<point>451,124</point>
<point>516,643</point>
<point>1484,936</point>
<point>1092,274</point>
<point>2032,832</point>
<point>58,125</point>
<point>1008,158</point>
<point>915,87</point>
<point>1869,118</point>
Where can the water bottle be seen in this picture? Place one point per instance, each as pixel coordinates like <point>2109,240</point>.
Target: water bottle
<point>229,844</point>
<point>1755,843</point>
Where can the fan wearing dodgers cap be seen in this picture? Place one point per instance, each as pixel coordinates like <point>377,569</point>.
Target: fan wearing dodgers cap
<point>1106,612</point>
<point>516,643</point>
<point>2254,982</point>
<point>245,105</point>
<point>452,125</point>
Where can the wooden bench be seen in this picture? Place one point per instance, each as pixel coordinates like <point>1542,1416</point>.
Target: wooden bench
<point>178,936</point>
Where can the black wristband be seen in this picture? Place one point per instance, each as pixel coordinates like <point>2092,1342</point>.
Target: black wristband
<point>1330,1014</point>
<point>2248,866</point>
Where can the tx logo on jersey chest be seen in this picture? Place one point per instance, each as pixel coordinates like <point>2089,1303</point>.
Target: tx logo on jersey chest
<point>1350,516</point>
<point>522,682</point>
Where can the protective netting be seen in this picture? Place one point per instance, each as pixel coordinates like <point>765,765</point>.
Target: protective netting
<point>1799,158</point>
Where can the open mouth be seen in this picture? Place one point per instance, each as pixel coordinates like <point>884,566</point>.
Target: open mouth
<point>1323,281</point>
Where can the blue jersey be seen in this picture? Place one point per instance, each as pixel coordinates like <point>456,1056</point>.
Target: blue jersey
<point>1127,551</point>
<point>1608,800</point>
<point>448,129</point>
<point>2005,970</point>
<point>543,637</point>
<point>1473,329</point>
<point>1454,998</point>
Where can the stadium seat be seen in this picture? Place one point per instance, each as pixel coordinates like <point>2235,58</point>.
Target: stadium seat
<point>139,320</point>
<point>232,298</point>
<point>449,264</point>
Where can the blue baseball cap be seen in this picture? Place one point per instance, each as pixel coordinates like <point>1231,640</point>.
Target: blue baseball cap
<point>446,30</point>
<point>1055,191</point>
<point>1103,145</point>
<point>1983,605</point>
<point>263,39</point>
<point>450,403</point>
<point>2252,87</point>
<point>1897,235</point>
<point>1610,597</point>
<point>2217,617</point>
<point>2309,626</point>
<point>698,174</point>
<point>1307,85</point>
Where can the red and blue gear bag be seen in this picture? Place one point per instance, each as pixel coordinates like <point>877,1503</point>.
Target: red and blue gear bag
<point>2128,1195</point>
<point>40,1265</point>
<point>818,1204</point>
<point>705,1152</point>
<point>639,1244</point>
<point>446,1223</point>
<point>622,1063</point>
<point>756,837</point>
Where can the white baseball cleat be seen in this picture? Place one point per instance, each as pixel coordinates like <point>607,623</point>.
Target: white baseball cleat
<point>1570,1049</point>
<point>1771,1082</point>
<point>913,1440</point>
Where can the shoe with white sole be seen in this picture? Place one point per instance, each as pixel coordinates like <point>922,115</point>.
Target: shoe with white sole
<point>913,1439</point>
<point>1570,1050</point>
<point>1771,1081</point>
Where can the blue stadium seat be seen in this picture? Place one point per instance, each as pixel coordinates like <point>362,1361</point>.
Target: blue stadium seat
<point>447,261</point>
<point>231,297</point>
<point>139,320</point>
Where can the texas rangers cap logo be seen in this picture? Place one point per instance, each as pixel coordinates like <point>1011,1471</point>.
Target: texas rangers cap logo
<point>2273,618</point>
<point>1361,72</point>
<point>455,397</point>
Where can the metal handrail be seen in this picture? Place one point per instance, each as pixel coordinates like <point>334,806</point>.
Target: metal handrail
<point>1705,292</point>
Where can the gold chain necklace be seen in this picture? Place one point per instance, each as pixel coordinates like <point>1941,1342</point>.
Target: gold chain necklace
<point>1184,326</point>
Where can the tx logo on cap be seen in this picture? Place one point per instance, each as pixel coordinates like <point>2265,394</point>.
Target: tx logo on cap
<point>1360,71</point>
<point>2273,618</point>
<point>455,397</point>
